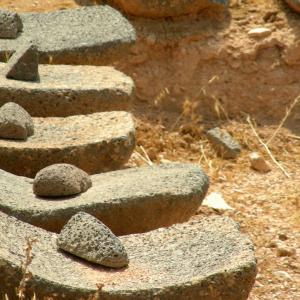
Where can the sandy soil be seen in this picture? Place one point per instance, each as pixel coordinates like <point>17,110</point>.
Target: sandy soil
<point>181,92</point>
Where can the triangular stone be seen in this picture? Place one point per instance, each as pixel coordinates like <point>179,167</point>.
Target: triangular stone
<point>10,24</point>
<point>88,238</point>
<point>23,65</point>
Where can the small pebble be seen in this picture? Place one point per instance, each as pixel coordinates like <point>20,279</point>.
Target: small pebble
<point>259,32</point>
<point>258,163</point>
<point>283,251</point>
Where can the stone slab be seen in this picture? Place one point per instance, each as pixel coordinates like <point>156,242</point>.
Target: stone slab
<point>67,35</point>
<point>170,8</point>
<point>94,143</point>
<point>127,201</point>
<point>207,259</point>
<point>69,90</point>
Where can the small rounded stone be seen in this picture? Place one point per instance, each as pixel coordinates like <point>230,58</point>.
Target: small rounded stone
<point>60,180</point>
<point>88,238</point>
<point>15,122</point>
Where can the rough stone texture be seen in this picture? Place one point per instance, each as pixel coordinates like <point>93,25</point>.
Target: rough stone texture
<point>10,24</point>
<point>94,143</point>
<point>88,238</point>
<point>294,4</point>
<point>69,90</point>
<point>61,180</point>
<point>224,143</point>
<point>126,201</point>
<point>15,122</point>
<point>169,8</point>
<point>207,259</point>
<point>68,35</point>
<point>23,64</point>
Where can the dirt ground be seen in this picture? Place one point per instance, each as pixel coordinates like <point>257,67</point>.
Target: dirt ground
<point>259,78</point>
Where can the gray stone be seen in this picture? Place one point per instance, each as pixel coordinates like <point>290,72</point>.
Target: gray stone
<point>88,238</point>
<point>294,4</point>
<point>170,8</point>
<point>205,259</point>
<point>10,24</point>
<point>23,65</point>
<point>61,180</point>
<point>94,143</point>
<point>126,201</point>
<point>15,122</point>
<point>69,90</point>
<point>71,36</point>
<point>224,143</point>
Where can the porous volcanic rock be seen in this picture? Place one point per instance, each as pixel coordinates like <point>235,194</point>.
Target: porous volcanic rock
<point>127,201</point>
<point>169,8</point>
<point>94,143</point>
<point>294,4</point>
<point>224,143</point>
<point>206,259</point>
<point>88,238</point>
<point>61,180</point>
<point>75,35</point>
<point>69,90</point>
<point>10,24</point>
<point>15,122</point>
<point>23,65</point>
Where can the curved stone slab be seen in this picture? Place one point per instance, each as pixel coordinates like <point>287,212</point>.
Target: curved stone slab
<point>67,35</point>
<point>127,201</point>
<point>94,143</point>
<point>200,260</point>
<point>69,90</point>
<point>170,8</point>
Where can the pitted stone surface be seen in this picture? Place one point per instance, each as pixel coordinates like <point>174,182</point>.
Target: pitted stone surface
<point>94,143</point>
<point>170,8</point>
<point>206,259</point>
<point>69,36</point>
<point>126,201</point>
<point>69,90</point>
<point>10,24</point>
<point>224,143</point>
<point>88,238</point>
<point>60,180</point>
<point>23,64</point>
<point>15,122</point>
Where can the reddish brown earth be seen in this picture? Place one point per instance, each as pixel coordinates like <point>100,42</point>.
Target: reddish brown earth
<point>190,76</point>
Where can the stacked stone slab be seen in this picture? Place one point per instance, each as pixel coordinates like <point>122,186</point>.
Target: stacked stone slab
<point>95,143</point>
<point>127,201</point>
<point>170,8</point>
<point>198,260</point>
<point>67,36</point>
<point>204,260</point>
<point>69,90</point>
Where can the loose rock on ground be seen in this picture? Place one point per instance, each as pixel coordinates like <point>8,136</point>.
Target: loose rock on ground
<point>224,143</point>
